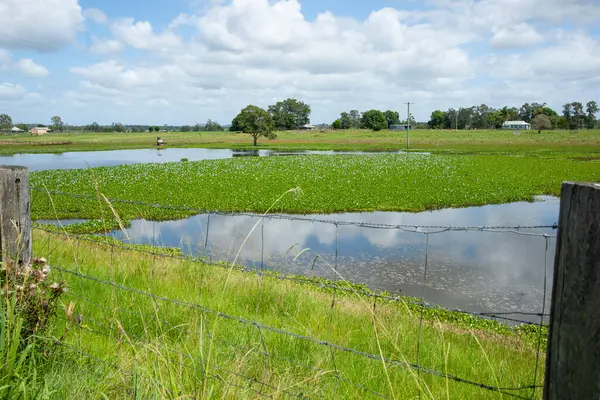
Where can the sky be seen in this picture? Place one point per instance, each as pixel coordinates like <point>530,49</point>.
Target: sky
<point>181,62</point>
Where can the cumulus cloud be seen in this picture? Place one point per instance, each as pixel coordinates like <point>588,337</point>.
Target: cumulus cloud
<point>29,68</point>
<point>251,51</point>
<point>95,15</point>
<point>141,35</point>
<point>9,91</point>
<point>39,24</point>
<point>105,47</point>
<point>520,35</point>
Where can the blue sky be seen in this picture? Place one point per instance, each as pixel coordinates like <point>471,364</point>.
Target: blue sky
<point>185,61</point>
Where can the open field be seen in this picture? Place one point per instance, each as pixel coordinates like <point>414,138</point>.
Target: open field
<point>141,347</point>
<point>585,143</point>
<point>328,184</point>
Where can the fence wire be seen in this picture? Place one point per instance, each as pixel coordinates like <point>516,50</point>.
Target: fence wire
<point>261,387</point>
<point>334,285</point>
<point>333,346</point>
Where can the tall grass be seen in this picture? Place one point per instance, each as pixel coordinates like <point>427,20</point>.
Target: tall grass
<point>128,345</point>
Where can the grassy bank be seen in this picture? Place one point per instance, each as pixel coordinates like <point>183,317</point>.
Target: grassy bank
<point>142,347</point>
<point>328,184</point>
<point>584,143</point>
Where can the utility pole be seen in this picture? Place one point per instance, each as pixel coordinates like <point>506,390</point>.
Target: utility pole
<point>407,121</point>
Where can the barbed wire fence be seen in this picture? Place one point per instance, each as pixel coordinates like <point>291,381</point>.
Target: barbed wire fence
<point>263,382</point>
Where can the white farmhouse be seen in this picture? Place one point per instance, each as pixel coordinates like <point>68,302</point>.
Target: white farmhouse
<point>516,125</point>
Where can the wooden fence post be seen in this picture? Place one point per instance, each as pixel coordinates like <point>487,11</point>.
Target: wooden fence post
<point>573,353</point>
<point>15,217</point>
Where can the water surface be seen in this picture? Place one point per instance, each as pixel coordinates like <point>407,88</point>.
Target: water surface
<point>474,270</point>
<point>86,159</point>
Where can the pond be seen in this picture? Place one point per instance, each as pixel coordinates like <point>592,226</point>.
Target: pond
<point>86,159</point>
<point>475,270</point>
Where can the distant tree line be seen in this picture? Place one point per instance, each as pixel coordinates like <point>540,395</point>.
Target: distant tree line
<point>292,114</point>
<point>372,119</point>
<point>539,115</point>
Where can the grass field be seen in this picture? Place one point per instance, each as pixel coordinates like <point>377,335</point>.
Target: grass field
<point>327,184</point>
<point>584,143</point>
<point>139,347</point>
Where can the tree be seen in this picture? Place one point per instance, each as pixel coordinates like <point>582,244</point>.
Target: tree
<point>290,114</point>
<point>256,122</point>
<point>5,122</point>
<point>117,127</point>
<point>186,128</point>
<point>197,128</point>
<point>355,118</point>
<point>578,118</point>
<point>336,124</point>
<point>374,119</point>
<point>57,123</point>
<point>212,126</point>
<point>235,126</point>
<point>23,127</point>
<point>437,120</point>
<point>392,117</point>
<point>592,110</point>
<point>345,121</point>
<point>541,122</point>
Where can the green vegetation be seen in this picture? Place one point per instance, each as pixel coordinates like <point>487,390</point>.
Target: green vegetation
<point>329,184</point>
<point>549,143</point>
<point>129,345</point>
<point>256,122</point>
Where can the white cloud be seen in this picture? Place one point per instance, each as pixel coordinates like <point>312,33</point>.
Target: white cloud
<point>29,68</point>
<point>140,35</point>
<point>520,35</point>
<point>44,25</point>
<point>251,51</point>
<point>95,15</point>
<point>9,91</point>
<point>109,46</point>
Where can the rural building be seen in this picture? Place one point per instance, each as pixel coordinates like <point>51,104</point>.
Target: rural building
<point>16,130</point>
<point>516,125</point>
<point>400,127</point>
<point>308,127</point>
<point>39,130</point>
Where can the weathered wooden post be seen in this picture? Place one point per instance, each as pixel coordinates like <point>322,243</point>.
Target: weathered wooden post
<point>15,217</point>
<point>573,354</point>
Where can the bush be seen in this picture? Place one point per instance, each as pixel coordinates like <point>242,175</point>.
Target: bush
<point>35,298</point>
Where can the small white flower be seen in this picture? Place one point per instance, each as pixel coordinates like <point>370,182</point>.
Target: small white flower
<point>54,286</point>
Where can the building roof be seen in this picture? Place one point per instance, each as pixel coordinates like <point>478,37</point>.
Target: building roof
<point>516,123</point>
<point>16,129</point>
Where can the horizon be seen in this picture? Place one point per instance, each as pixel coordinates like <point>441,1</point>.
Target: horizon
<point>187,61</point>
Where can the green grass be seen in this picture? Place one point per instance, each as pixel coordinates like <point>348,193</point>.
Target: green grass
<point>153,349</point>
<point>329,184</point>
<point>585,143</point>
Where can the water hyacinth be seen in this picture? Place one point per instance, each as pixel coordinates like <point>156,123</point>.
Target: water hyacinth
<point>328,183</point>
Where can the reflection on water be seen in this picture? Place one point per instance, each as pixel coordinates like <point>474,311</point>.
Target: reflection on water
<point>471,270</point>
<point>86,159</point>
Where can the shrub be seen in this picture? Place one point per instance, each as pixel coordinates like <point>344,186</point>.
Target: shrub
<point>35,298</point>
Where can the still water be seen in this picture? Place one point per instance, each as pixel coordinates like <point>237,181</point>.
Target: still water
<point>472,270</point>
<point>87,159</point>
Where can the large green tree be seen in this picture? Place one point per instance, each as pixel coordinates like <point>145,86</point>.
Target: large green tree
<point>592,110</point>
<point>345,121</point>
<point>256,122</point>
<point>290,114</point>
<point>374,119</point>
<point>57,123</point>
<point>355,118</point>
<point>212,126</point>
<point>392,117</point>
<point>437,120</point>
<point>5,122</point>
